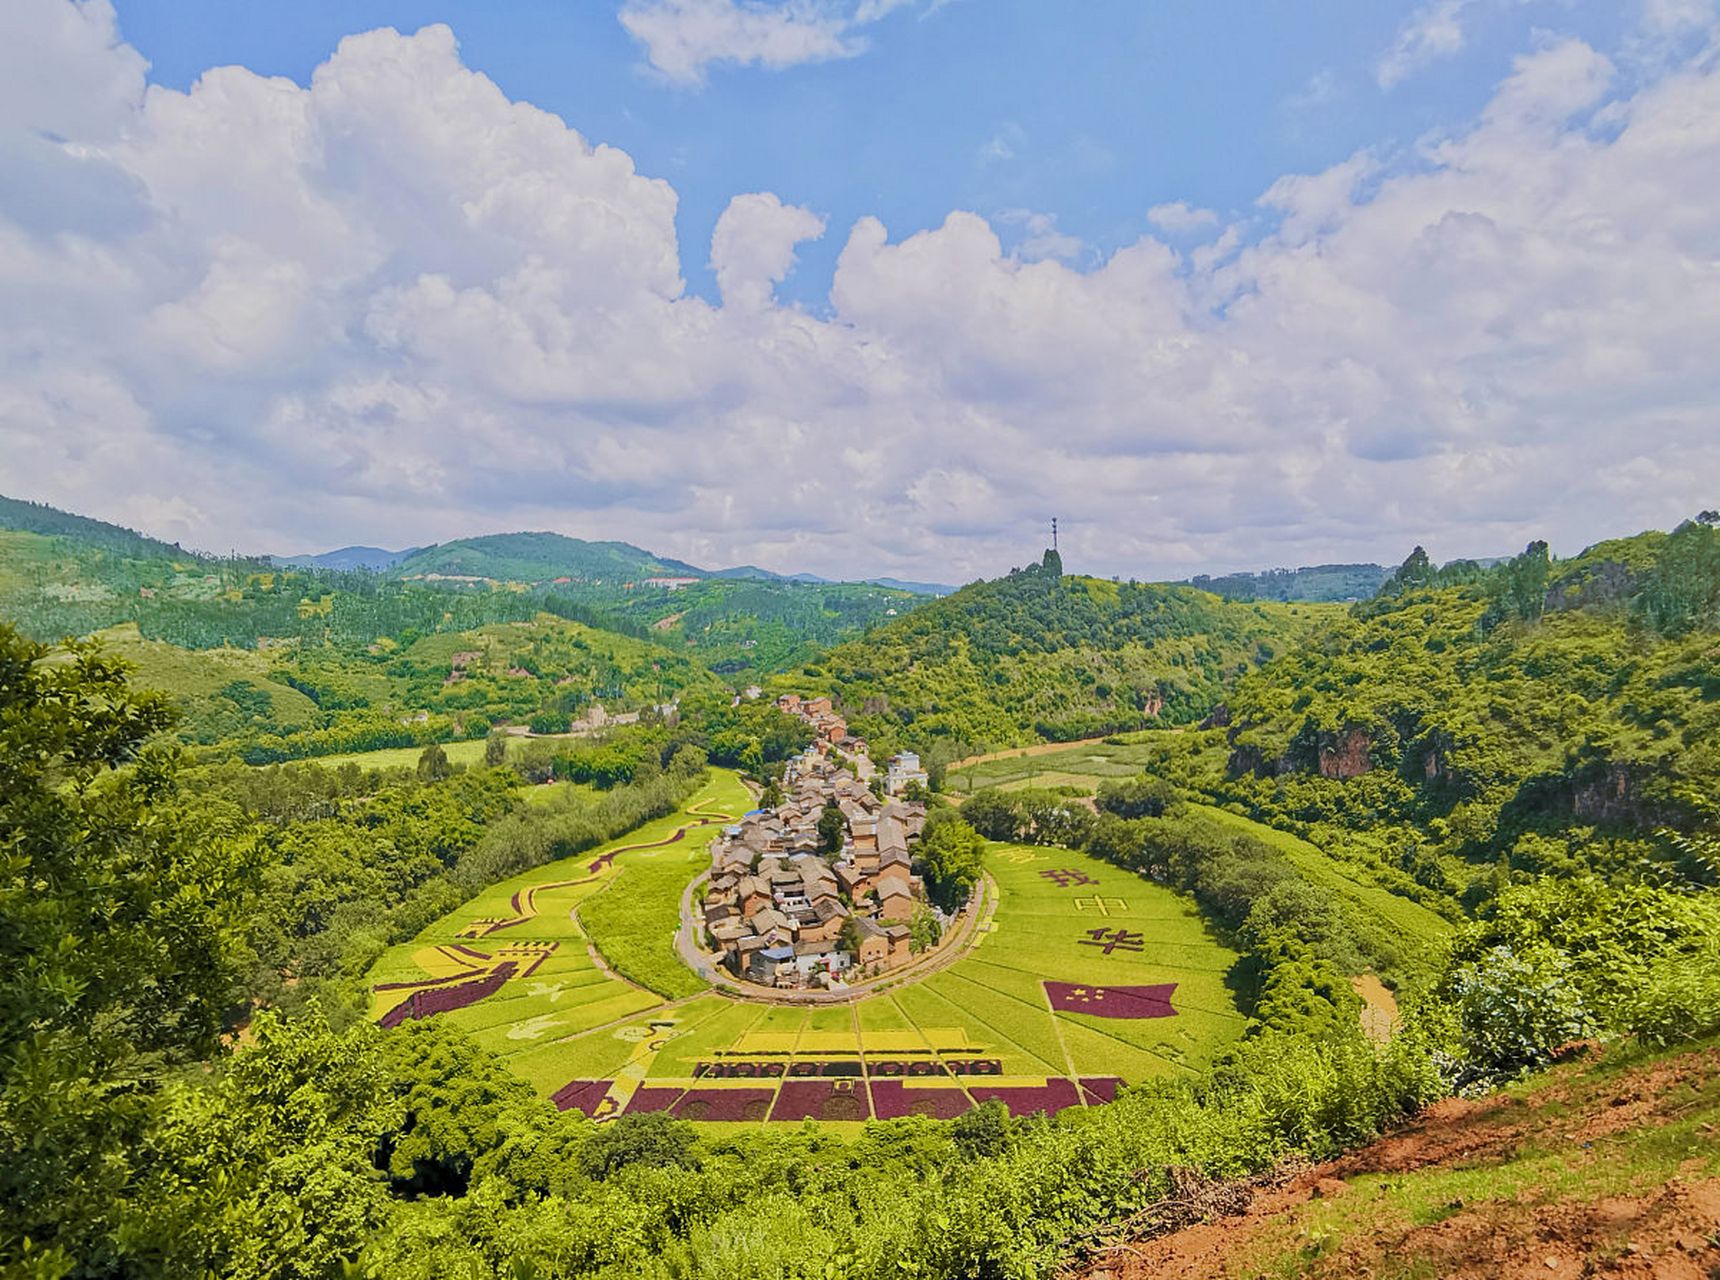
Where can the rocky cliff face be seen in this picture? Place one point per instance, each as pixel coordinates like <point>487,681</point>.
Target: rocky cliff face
<point>1347,755</point>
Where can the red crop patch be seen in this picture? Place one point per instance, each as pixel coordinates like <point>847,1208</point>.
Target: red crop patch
<point>652,1100</point>
<point>892,1099</point>
<point>821,1100</point>
<point>1099,1089</point>
<point>1050,1097</point>
<point>724,1104</point>
<point>427,1004</point>
<point>1112,1002</point>
<point>581,1095</point>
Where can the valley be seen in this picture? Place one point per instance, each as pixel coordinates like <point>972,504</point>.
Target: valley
<point>1049,883</point>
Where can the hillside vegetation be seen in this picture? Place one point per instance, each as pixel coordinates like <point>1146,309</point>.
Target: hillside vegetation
<point>99,535</point>
<point>184,947</point>
<point>1339,582</point>
<point>1040,655</point>
<point>1471,727</point>
<point>536,557</point>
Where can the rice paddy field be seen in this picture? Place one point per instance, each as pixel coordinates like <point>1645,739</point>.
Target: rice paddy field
<point>519,965</point>
<point>1082,978</point>
<point>1087,765</point>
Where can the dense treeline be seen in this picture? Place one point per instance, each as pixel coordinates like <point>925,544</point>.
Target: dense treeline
<point>1037,655</point>
<point>50,522</point>
<point>355,860</point>
<point>62,574</point>
<point>1329,582</point>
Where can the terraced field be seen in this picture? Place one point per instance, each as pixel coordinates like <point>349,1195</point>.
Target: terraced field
<point>1083,978</point>
<point>532,931</point>
<point>986,1027</point>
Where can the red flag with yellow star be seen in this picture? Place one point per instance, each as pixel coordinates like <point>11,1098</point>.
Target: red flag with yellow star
<point>1112,1002</point>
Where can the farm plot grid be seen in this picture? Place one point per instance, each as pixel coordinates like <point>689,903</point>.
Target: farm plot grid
<point>520,964</point>
<point>1089,978</point>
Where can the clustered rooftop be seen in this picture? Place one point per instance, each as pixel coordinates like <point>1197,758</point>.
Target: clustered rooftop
<point>784,911</point>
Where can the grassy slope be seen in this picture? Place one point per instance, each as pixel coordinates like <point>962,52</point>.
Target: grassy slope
<point>634,919</point>
<point>196,679</point>
<point>1410,920</point>
<point>1089,765</point>
<point>569,993</point>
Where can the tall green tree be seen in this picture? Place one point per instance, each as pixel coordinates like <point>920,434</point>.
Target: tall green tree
<point>832,827</point>
<point>119,939</point>
<point>952,855</point>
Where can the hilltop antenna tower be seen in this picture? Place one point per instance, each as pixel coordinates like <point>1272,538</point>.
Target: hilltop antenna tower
<point>1054,533</point>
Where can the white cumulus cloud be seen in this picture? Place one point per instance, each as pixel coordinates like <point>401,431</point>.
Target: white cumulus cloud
<point>395,306</point>
<point>684,37</point>
<point>752,248</point>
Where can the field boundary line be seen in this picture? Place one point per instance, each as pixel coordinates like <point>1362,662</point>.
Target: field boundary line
<point>1196,1008</point>
<point>1009,995</point>
<point>963,1015</point>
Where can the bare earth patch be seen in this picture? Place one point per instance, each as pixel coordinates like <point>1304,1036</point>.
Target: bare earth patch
<point>1599,1172</point>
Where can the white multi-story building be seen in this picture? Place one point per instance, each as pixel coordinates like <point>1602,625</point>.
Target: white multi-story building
<point>904,768</point>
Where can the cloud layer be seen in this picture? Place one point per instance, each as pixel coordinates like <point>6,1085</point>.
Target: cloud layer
<point>395,306</point>
<point>682,38</point>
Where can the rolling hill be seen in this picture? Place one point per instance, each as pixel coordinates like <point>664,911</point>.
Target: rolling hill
<point>375,559</point>
<point>97,535</point>
<point>1340,582</point>
<point>539,557</point>
<point>1040,655</point>
<point>1473,725</point>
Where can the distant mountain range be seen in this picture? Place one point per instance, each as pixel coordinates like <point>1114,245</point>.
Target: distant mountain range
<point>537,557</point>
<point>374,559</point>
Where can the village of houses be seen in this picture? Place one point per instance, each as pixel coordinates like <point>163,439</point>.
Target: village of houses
<point>781,908</point>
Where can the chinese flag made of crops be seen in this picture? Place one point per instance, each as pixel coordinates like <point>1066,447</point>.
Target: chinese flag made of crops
<point>1112,1002</point>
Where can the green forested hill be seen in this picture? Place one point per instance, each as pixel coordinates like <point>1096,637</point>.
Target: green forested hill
<point>732,623</point>
<point>539,557</point>
<point>1475,724</point>
<point>51,522</point>
<point>1340,582</point>
<point>1037,655</point>
<point>63,574</point>
<point>743,627</point>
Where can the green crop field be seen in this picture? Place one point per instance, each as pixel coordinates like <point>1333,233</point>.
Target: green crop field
<point>557,986</point>
<point>656,1028</point>
<point>1410,919</point>
<point>634,920</point>
<point>468,753</point>
<point>1086,766</point>
<point>1089,765</point>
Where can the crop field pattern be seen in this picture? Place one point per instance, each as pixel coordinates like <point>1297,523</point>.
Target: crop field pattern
<point>1083,979</point>
<point>519,964</point>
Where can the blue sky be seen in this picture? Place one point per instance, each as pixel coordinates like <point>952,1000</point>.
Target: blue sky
<point>865,287</point>
<point>1105,107</point>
